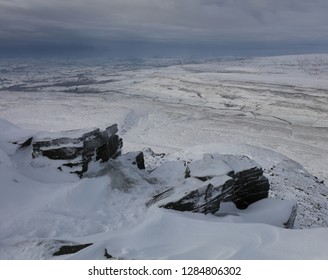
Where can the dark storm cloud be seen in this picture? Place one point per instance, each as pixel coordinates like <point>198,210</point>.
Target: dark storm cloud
<point>129,24</point>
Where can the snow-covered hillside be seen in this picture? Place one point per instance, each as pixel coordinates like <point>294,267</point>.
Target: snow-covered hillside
<point>273,110</point>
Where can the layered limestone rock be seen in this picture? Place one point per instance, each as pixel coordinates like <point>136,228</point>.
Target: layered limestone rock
<point>74,150</point>
<point>203,185</point>
<point>216,179</point>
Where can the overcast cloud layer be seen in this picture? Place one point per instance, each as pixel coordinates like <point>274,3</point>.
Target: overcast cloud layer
<point>154,26</point>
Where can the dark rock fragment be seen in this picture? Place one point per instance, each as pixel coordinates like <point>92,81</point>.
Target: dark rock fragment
<point>106,255</point>
<point>23,143</point>
<point>71,249</point>
<point>140,161</point>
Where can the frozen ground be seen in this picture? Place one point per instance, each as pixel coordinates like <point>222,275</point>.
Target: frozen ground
<point>273,109</point>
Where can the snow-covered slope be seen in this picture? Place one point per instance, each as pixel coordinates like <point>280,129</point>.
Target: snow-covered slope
<point>274,110</point>
<point>109,209</point>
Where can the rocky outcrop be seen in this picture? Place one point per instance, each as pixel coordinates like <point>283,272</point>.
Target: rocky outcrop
<point>216,179</point>
<point>75,150</point>
<point>195,185</point>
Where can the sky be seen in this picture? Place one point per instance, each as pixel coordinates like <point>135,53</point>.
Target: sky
<point>168,27</point>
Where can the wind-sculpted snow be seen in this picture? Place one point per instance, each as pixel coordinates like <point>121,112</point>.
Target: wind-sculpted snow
<point>167,235</point>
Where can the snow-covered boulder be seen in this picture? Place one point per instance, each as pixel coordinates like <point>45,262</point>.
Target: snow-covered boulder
<point>74,150</point>
<point>212,180</point>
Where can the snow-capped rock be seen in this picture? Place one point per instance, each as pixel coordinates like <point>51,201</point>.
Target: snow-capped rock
<point>212,180</point>
<point>75,149</point>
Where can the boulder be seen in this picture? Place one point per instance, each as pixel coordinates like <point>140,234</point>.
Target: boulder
<point>75,149</point>
<point>215,179</point>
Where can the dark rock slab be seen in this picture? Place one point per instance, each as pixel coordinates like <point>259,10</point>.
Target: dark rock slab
<point>140,161</point>
<point>24,143</point>
<point>71,249</point>
<point>160,196</point>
